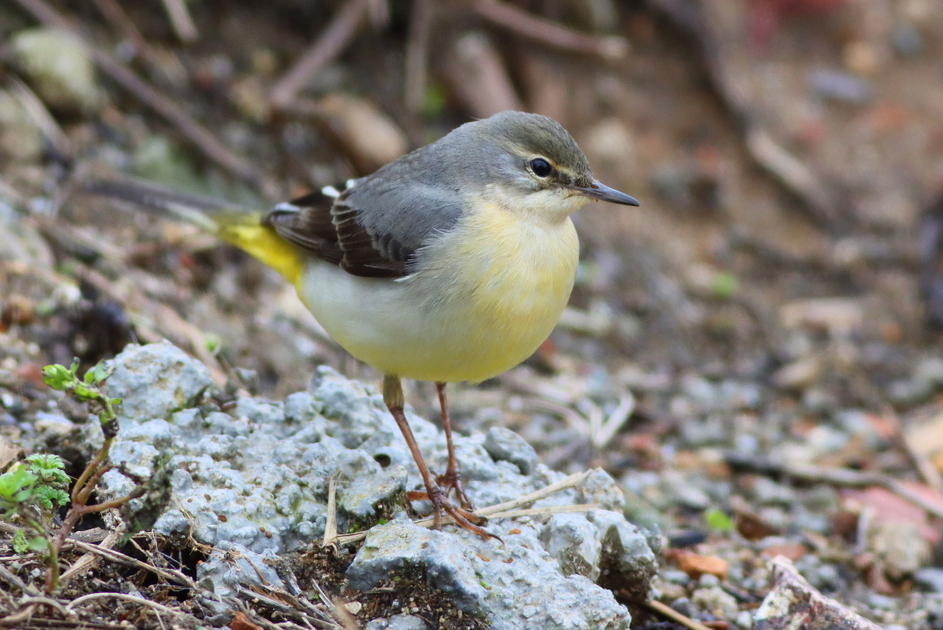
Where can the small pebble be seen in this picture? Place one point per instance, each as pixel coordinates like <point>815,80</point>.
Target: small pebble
<point>840,86</point>
<point>716,601</point>
<point>676,577</point>
<point>906,40</point>
<point>708,581</point>
<point>929,579</point>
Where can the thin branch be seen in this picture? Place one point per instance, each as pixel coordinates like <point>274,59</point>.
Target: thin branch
<point>839,477</point>
<point>11,578</point>
<point>128,598</point>
<point>169,109</point>
<point>508,509</point>
<point>89,560</point>
<point>48,601</point>
<point>335,38</point>
<point>672,614</point>
<point>417,55</point>
<point>117,556</point>
<point>181,21</point>
<point>125,26</point>
<point>330,525</point>
<point>547,32</point>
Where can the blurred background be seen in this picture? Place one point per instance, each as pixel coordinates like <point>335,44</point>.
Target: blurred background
<point>776,296</point>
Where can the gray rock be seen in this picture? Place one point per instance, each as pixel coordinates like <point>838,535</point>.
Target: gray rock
<point>506,445</point>
<point>402,546</point>
<point>57,64</point>
<point>840,86</point>
<point>232,568</point>
<point>744,620</point>
<point>899,547</point>
<point>518,585</point>
<point>600,490</point>
<point>682,490</point>
<point>716,601</point>
<point>571,539</point>
<point>21,139</point>
<point>398,622</point>
<point>155,380</point>
<point>929,579</point>
<point>768,492</point>
<point>257,479</point>
<point>365,499</point>
<point>628,554</point>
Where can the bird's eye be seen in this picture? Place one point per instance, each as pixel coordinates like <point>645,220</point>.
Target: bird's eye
<point>541,167</point>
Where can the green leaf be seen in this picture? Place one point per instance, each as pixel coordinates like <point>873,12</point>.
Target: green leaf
<point>718,520</point>
<point>212,342</point>
<point>725,285</point>
<point>15,483</point>
<point>45,462</point>
<point>38,543</point>
<point>434,100</point>
<point>48,468</point>
<point>50,498</point>
<point>20,544</point>
<point>98,373</point>
<point>57,376</point>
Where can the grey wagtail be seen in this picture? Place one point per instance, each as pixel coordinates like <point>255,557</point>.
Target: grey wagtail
<point>452,263</point>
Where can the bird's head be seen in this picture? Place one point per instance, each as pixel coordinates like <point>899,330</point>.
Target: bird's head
<point>529,163</point>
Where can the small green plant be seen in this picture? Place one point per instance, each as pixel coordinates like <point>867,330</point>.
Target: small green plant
<point>30,494</point>
<point>35,489</point>
<point>718,521</point>
<point>725,285</point>
<point>66,379</point>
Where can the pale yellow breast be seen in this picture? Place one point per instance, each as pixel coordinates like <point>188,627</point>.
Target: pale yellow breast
<point>486,295</point>
<point>505,281</point>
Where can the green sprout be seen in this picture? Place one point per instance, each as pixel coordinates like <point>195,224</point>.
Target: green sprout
<point>30,494</point>
<point>725,285</point>
<point>35,489</point>
<point>718,520</point>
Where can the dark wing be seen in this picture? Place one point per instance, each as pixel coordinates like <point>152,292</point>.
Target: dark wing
<point>328,227</point>
<point>377,225</point>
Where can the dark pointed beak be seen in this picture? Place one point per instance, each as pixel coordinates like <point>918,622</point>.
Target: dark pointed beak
<point>602,192</point>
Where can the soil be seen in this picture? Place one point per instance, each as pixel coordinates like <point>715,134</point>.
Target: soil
<point>790,304</point>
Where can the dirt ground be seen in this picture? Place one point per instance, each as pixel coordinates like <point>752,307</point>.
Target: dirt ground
<point>788,155</point>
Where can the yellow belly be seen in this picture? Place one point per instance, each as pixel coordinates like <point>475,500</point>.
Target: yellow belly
<point>477,305</point>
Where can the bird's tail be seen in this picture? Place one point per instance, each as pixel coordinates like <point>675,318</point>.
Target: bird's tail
<point>236,225</point>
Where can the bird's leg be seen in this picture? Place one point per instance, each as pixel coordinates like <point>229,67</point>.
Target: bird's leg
<point>452,477</point>
<point>393,397</point>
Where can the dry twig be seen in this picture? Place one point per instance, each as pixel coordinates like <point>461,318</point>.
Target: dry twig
<point>838,477</point>
<point>330,525</point>
<point>508,509</point>
<point>78,601</point>
<point>550,33</point>
<point>672,614</point>
<point>785,168</point>
<point>122,23</point>
<point>417,54</point>
<point>335,38</point>
<point>180,19</point>
<point>169,109</point>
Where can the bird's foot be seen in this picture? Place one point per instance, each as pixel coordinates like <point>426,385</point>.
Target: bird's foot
<point>453,481</point>
<point>441,504</point>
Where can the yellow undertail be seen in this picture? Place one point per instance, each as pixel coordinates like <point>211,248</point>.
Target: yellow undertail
<point>261,242</point>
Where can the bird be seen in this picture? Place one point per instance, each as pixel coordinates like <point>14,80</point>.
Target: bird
<point>452,263</point>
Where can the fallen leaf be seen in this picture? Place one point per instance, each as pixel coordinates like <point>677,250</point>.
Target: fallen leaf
<point>791,551</point>
<point>696,565</point>
<point>241,622</point>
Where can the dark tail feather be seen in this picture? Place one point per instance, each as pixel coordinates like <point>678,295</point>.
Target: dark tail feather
<point>161,200</point>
